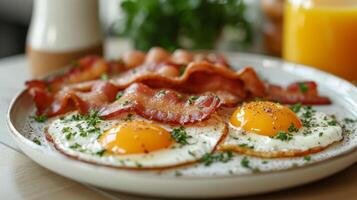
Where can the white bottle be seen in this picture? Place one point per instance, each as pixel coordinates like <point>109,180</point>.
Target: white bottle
<point>62,31</point>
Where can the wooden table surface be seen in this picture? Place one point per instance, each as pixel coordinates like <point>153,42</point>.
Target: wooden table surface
<point>21,178</point>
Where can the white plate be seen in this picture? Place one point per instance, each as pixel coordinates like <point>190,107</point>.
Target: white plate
<point>213,181</point>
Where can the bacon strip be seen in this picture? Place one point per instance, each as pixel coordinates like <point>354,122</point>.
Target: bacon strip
<point>43,91</point>
<point>165,106</point>
<point>295,94</point>
<point>57,95</point>
<point>198,77</point>
<point>83,98</point>
<point>86,68</point>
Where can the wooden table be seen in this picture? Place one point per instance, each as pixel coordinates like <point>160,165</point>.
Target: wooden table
<point>21,178</point>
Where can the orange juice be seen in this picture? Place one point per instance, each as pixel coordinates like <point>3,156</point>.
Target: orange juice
<point>323,34</point>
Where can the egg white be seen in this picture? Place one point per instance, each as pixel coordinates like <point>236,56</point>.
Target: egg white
<point>204,138</point>
<point>319,137</point>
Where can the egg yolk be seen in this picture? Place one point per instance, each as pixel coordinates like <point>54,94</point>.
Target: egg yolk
<point>135,137</point>
<point>265,118</point>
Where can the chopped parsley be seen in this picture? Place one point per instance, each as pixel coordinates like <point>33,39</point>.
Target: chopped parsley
<point>180,135</point>
<point>349,120</point>
<point>308,112</point>
<point>38,142</point>
<point>92,118</point>
<point>75,146</point>
<point>292,128</point>
<point>119,95</point>
<point>40,118</point>
<point>281,135</point>
<point>333,122</point>
<point>126,102</point>
<point>296,108</point>
<point>245,162</point>
<point>100,153</point>
<point>138,164</point>
<point>264,162</point>
<point>303,87</point>
<point>192,99</point>
<point>104,77</point>
<point>307,132</point>
<point>161,92</point>
<point>307,158</point>
<point>245,145</point>
<point>224,157</point>
<point>320,134</point>
<point>68,131</point>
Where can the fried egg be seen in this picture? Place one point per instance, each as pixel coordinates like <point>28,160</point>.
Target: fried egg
<point>134,142</point>
<point>267,129</point>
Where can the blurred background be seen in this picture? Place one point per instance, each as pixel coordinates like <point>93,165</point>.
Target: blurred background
<point>194,24</point>
<point>319,33</point>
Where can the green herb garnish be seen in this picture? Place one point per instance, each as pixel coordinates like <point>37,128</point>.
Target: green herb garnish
<point>332,122</point>
<point>245,162</point>
<point>92,118</point>
<point>68,131</point>
<point>161,92</point>
<point>40,118</point>
<point>296,108</point>
<point>224,157</point>
<point>303,87</point>
<point>38,142</point>
<point>75,146</point>
<point>245,145</point>
<point>307,158</point>
<point>180,135</point>
<point>126,102</point>
<point>349,120</point>
<point>119,95</point>
<point>100,153</point>
<point>283,136</point>
<point>192,99</point>
<point>292,128</point>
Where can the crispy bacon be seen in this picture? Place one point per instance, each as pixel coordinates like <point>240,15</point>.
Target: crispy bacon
<point>40,94</point>
<point>198,77</point>
<point>87,68</point>
<point>162,105</point>
<point>76,89</point>
<point>83,97</point>
<point>300,92</point>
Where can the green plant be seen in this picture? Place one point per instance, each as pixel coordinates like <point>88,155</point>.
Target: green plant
<point>195,24</point>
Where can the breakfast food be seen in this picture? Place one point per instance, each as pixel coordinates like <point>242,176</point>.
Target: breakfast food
<point>160,110</point>
<point>267,129</point>
<point>131,141</point>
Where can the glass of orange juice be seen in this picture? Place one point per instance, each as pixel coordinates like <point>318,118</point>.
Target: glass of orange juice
<point>323,34</point>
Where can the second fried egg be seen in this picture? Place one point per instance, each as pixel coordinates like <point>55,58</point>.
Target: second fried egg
<point>267,129</point>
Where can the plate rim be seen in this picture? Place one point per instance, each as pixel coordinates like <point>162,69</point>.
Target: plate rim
<point>16,133</point>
